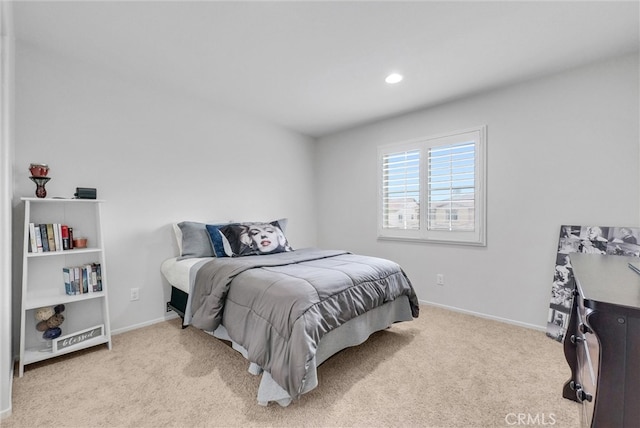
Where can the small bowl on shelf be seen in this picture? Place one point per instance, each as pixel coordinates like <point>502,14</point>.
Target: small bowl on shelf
<point>80,243</point>
<point>39,169</point>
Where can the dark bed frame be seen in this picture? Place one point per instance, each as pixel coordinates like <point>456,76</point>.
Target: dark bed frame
<point>178,302</point>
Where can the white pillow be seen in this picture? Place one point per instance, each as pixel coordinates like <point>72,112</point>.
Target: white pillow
<point>178,234</point>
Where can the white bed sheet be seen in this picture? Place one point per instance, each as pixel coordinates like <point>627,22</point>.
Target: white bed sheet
<point>178,272</point>
<point>182,275</point>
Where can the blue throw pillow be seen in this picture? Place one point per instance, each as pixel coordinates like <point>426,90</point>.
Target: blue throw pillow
<point>217,239</point>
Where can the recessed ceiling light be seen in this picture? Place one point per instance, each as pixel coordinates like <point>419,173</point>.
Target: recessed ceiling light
<point>393,78</point>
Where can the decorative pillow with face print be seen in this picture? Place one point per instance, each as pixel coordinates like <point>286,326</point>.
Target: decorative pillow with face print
<point>251,239</point>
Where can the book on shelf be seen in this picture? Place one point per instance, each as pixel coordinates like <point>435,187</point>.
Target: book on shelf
<point>78,280</point>
<point>82,279</point>
<point>33,246</point>
<point>72,280</point>
<point>93,278</point>
<point>98,276</point>
<point>66,275</point>
<point>64,229</point>
<point>56,236</point>
<point>45,239</point>
<point>85,280</point>
<point>59,244</point>
<point>70,229</point>
<point>35,238</point>
<point>38,238</point>
<point>50,237</point>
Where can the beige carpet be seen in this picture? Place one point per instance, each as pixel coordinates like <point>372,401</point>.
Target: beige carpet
<point>444,369</point>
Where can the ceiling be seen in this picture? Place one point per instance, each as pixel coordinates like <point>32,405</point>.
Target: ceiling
<point>319,67</point>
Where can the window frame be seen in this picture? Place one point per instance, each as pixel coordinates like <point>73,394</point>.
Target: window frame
<point>477,237</point>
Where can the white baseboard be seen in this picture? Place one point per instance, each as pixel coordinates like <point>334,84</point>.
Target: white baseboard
<point>173,315</point>
<point>167,317</point>
<point>491,317</point>
<point>5,413</point>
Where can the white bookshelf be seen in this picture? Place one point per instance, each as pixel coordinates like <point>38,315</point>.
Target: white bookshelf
<point>43,284</point>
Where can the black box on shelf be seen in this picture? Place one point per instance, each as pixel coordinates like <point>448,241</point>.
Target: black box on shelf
<point>85,193</point>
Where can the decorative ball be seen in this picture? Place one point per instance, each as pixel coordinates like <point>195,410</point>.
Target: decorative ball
<point>42,326</point>
<point>43,314</point>
<point>59,309</point>
<point>55,321</point>
<point>52,333</point>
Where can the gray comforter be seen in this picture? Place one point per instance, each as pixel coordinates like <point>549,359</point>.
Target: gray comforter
<point>279,306</point>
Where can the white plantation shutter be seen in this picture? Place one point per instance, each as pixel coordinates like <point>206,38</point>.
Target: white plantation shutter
<point>401,190</point>
<point>433,189</point>
<point>451,187</point>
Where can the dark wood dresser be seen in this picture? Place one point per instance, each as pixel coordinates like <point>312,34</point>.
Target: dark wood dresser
<point>602,344</point>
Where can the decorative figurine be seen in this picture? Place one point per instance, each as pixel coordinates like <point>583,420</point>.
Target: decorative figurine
<point>39,173</point>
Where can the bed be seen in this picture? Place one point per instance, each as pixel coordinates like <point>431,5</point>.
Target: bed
<point>286,311</point>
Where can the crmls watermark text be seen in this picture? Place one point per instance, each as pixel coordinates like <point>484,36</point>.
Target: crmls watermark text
<point>530,419</point>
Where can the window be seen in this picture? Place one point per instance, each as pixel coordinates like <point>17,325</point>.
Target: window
<point>442,177</point>
<point>452,215</point>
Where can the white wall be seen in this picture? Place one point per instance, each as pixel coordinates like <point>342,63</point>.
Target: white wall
<point>561,150</point>
<point>6,156</point>
<point>156,157</point>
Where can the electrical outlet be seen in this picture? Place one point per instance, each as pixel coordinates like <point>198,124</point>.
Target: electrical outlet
<point>135,294</point>
<point>168,307</point>
<point>440,279</point>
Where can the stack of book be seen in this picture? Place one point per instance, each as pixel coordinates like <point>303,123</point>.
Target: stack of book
<point>50,237</point>
<point>82,279</point>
